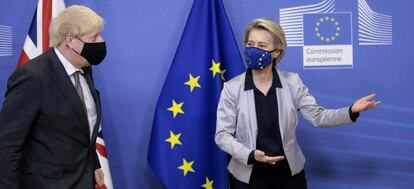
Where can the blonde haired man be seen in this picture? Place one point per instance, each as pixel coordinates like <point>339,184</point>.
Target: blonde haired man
<point>51,112</point>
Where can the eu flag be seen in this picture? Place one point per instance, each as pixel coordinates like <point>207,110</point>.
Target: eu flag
<point>182,151</point>
<point>327,29</point>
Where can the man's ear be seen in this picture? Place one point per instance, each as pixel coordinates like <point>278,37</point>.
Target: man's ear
<point>69,38</point>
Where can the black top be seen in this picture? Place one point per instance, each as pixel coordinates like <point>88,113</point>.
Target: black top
<point>268,139</point>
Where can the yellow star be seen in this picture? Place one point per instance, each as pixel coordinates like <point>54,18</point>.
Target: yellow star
<point>174,139</point>
<point>215,68</point>
<point>222,75</point>
<point>176,108</point>
<point>187,167</point>
<point>193,82</point>
<point>208,184</point>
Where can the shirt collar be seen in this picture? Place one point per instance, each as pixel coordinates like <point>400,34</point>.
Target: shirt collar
<point>249,84</point>
<point>70,69</point>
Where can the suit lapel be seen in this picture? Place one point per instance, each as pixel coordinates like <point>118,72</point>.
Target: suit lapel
<point>65,85</point>
<point>283,123</point>
<point>283,101</point>
<point>251,110</point>
<point>251,105</point>
<point>95,95</point>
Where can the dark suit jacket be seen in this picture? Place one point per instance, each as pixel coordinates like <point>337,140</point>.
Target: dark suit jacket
<point>44,131</point>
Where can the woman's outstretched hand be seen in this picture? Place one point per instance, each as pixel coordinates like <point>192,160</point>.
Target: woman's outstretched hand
<point>365,103</point>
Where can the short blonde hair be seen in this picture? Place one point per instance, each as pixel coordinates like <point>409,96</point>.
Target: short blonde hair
<point>76,20</point>
<point>268,24</point>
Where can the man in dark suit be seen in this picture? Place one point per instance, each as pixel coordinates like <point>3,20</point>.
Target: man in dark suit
<point>51,112</point>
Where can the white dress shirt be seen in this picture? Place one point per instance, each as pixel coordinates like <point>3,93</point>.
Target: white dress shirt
<point>89,101</point>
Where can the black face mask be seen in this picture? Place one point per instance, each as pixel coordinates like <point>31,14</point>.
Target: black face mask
<point>94,53</point>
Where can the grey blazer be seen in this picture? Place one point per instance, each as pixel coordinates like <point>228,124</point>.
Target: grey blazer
<point>236,128</point>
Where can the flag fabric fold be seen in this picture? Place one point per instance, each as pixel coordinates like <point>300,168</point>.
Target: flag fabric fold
<point>182,151</point>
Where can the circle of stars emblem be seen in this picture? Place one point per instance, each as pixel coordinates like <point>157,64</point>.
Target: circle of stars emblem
<point>323,21</point>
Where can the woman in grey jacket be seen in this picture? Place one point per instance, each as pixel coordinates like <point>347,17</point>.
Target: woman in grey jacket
<point>257,114</point>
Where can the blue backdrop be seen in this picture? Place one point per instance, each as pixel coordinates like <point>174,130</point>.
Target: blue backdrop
<point>142,37</point>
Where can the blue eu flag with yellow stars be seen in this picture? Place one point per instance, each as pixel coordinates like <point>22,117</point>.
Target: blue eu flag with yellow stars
<point>182,151</point>
<point>327,29</point>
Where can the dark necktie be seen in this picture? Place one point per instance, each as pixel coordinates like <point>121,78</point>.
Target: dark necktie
<point>78,87</point>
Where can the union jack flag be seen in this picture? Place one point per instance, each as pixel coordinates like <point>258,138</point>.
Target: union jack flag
<point>37,42</point>
<point>103,159</point>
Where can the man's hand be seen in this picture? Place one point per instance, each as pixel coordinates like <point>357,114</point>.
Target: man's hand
<point>99,177</point>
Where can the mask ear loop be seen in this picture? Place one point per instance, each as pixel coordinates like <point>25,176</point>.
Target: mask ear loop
<point>74,49</point>
<point>275,50</point>
<point>80,40</point>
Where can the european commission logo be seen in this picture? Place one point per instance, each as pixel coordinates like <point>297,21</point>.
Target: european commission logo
<point>326,36</point>
<point>6,41</point>
<point>327,40</point>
